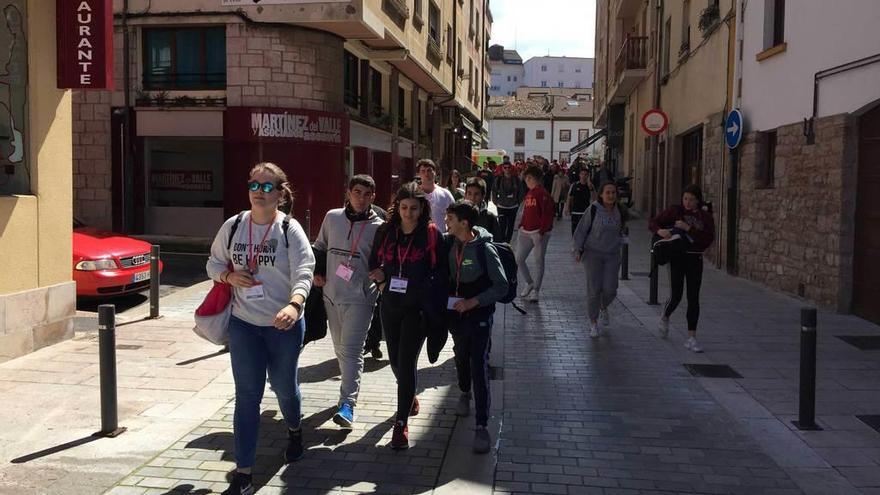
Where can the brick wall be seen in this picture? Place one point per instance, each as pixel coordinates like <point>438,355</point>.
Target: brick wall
<point>797,236</point>
<point>91,158</point>
<point>284,67</point>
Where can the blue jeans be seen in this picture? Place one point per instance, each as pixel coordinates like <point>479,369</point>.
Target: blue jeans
<point>255,351</point>
<point>473,339</point>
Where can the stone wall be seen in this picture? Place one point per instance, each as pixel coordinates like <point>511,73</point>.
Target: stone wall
<point>797,236</point>
<point>92,172</point>
<point>285,67</point>
<point>713,181</point>
<point>33,319</point>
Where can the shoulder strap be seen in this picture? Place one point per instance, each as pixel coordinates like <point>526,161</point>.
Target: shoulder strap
<point>432,243</point>
<point>592,219</point>
<point>233,229</point>
<point>284,226</point>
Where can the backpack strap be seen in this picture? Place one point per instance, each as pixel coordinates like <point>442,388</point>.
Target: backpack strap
<point>432,243</point>
<point>233,229</point>
<point>592,219</point>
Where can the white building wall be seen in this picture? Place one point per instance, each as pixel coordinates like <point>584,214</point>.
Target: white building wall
<point>559,69</point>
<point>505,78</point>
<point>561,148</point>
<point>820,35</point>
<point>502,136</point>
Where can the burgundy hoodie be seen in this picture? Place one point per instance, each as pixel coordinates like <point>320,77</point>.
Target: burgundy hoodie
<point>701,221</point>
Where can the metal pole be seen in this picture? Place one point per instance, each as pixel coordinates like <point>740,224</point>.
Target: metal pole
<point>154,281</point>
<point>107,360</point>
<point>624,263</point>
<point>807,407</point>
<point>309,224</point>
<point>654,280</point>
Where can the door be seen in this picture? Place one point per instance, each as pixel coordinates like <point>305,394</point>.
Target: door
<point>692,158</point>
<point>866,265</point>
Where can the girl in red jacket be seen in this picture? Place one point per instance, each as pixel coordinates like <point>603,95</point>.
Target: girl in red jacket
<point>697,223</point>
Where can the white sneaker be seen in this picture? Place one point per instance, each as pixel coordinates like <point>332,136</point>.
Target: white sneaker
<point>692,345</point>
<point>664,328</point>
<point>604,317</point>
<point>594,331</point>
<point>527,289</point>
<point>533,297</point>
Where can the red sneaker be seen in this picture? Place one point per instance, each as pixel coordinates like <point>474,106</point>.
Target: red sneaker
<point>414,410</point>
<point>400,437</point>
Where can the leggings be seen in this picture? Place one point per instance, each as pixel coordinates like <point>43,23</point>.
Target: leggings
<point>404,336</point>
<point>688,267</point>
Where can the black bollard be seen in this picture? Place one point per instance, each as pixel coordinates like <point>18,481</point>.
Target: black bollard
<point>807,407</point>
<point>154,281</point>
<point>107,360</point>
<point>624,263</point>
<point>654,281</point>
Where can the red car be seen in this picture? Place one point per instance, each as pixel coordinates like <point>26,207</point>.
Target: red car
<point>109,264</point>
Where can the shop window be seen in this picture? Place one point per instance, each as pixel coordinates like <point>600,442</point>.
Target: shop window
<point>14,171</point>
<point>351,75</point>
<point>184,58</point>
<point>519,136</point>
<point>765,169</point>
<point>185,172</point>
<point>565,135</point>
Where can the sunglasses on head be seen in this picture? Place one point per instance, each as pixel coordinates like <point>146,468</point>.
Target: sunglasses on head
<point>266,187</point>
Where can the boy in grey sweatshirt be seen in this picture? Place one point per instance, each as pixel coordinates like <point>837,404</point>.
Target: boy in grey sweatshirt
<point>349,295</point>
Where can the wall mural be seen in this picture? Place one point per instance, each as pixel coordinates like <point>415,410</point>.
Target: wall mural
<point>14,172</point>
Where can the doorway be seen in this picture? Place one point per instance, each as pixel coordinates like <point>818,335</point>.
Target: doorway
<point>866,263</point>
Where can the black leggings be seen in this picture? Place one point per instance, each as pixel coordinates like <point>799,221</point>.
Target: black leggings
<point>688,267</point>
<point>404,336</point>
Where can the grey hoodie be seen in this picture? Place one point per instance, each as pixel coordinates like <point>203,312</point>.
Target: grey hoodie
<point>336,237</point>
<point>605,234</point>
<point>472,270</point>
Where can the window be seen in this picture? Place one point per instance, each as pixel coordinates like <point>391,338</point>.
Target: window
<point>185,58</point>
<point>774,23</point>
<point>561,84</point>
<point>583,134</point>
<point>543,68</point>
<point>543,84</point>
<point>460,61</point>
<point>765,169</point>
<point>375,92</point>
<point>434,23</point>
<point>563,156</point>
<point>514,78</point>
<point>508,78</point>
<point>561,68</point>
<point>685,27</point>
<point>519,137</point>
<point>577,70</point>
<point>519,156</point>
<point>539,134</point>
<point>351,66</point>
<point>565,135</point>
<point>450,45</point>
<point>401,107</point>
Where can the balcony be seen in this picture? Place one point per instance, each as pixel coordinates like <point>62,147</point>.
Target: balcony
<point>630,66</point>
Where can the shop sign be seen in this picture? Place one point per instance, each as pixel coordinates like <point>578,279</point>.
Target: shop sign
<point>84,30</point>
<point>291,126</point>
<point>245,3</point>
<point>182,180</point>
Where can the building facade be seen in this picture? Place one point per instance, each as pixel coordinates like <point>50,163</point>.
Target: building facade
<point>37,296</point>
<point>542,122</point>
<point>797,191</point>
<point>559,72</point>
<point>332,90</point>
<point>507,71</point>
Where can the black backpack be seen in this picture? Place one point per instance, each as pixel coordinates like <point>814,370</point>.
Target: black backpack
<point>285,224</point>
<point>508,262</point>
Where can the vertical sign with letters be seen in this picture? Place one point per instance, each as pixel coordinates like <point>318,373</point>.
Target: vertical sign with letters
<point>85,43</point>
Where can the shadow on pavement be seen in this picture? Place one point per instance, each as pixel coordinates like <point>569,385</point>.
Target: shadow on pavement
<point>187,489</point>
<point>54,450</point>
<point>224,350</point>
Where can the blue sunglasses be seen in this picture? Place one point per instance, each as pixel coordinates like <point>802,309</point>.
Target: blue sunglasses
<point>267,187</point>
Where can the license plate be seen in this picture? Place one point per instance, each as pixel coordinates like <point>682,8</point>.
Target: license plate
<point>140,277</point>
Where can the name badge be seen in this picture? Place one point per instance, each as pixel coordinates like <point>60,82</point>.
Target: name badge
<point>398,284</point>
<point>254,293</point>
<point>344,272</point>
<point>451,302</point>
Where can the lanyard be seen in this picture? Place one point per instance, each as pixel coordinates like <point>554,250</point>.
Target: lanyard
<point>402,258</point>
<point>252,264</point>
<point>459,259</point>
<point>356,240</point>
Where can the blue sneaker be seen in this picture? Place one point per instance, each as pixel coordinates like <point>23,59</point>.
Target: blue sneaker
<point>344,417</point>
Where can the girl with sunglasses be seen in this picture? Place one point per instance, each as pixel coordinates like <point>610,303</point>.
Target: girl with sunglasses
<point>271,275</point>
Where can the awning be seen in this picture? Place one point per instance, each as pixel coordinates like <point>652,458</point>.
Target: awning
<point>586,143</point>
<point>467,124</point>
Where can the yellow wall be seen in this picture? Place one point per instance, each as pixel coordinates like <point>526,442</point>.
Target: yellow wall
<point>35,231</point>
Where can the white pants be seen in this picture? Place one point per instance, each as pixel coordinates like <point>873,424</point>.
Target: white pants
<point>524,244</point>
<point>348,325</point>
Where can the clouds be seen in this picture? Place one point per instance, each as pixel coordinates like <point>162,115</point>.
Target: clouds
<point>562,27</point>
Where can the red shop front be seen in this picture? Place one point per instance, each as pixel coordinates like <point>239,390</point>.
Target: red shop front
<point>310,146</point>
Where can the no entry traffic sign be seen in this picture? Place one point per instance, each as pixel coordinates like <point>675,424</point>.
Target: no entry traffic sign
<point>654,122</point>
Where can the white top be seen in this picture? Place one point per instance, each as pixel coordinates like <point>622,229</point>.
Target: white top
<point>440,199</point>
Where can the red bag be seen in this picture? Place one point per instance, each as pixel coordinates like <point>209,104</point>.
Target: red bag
<point>212,316</point>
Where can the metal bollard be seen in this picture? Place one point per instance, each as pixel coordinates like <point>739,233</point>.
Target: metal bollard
<point>624,263</point>
<point>107,360</point>
<point>154,281</point>
<point>807,407</point>
<point>653,281</point>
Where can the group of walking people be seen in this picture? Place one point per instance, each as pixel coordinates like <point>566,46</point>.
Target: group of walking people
<point>432,263</point>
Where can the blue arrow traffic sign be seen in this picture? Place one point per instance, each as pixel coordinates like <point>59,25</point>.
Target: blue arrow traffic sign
<point>733,128</point>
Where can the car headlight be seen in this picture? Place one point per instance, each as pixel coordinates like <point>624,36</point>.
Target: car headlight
<point>92,265</point>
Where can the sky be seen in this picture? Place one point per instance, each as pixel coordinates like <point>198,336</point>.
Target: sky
<point>536,27</point>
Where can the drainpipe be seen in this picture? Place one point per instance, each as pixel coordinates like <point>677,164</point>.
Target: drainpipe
<point>127,169</point>
<point>655,159</point>
<point>733,173</point>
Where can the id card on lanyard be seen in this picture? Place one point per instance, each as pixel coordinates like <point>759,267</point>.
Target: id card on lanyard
<point>345,270</point>
<point>399,284</point>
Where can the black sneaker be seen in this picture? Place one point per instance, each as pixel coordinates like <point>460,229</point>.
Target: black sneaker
<point>241,484</point>
<point>376,353</point>
<point>294,451</point>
